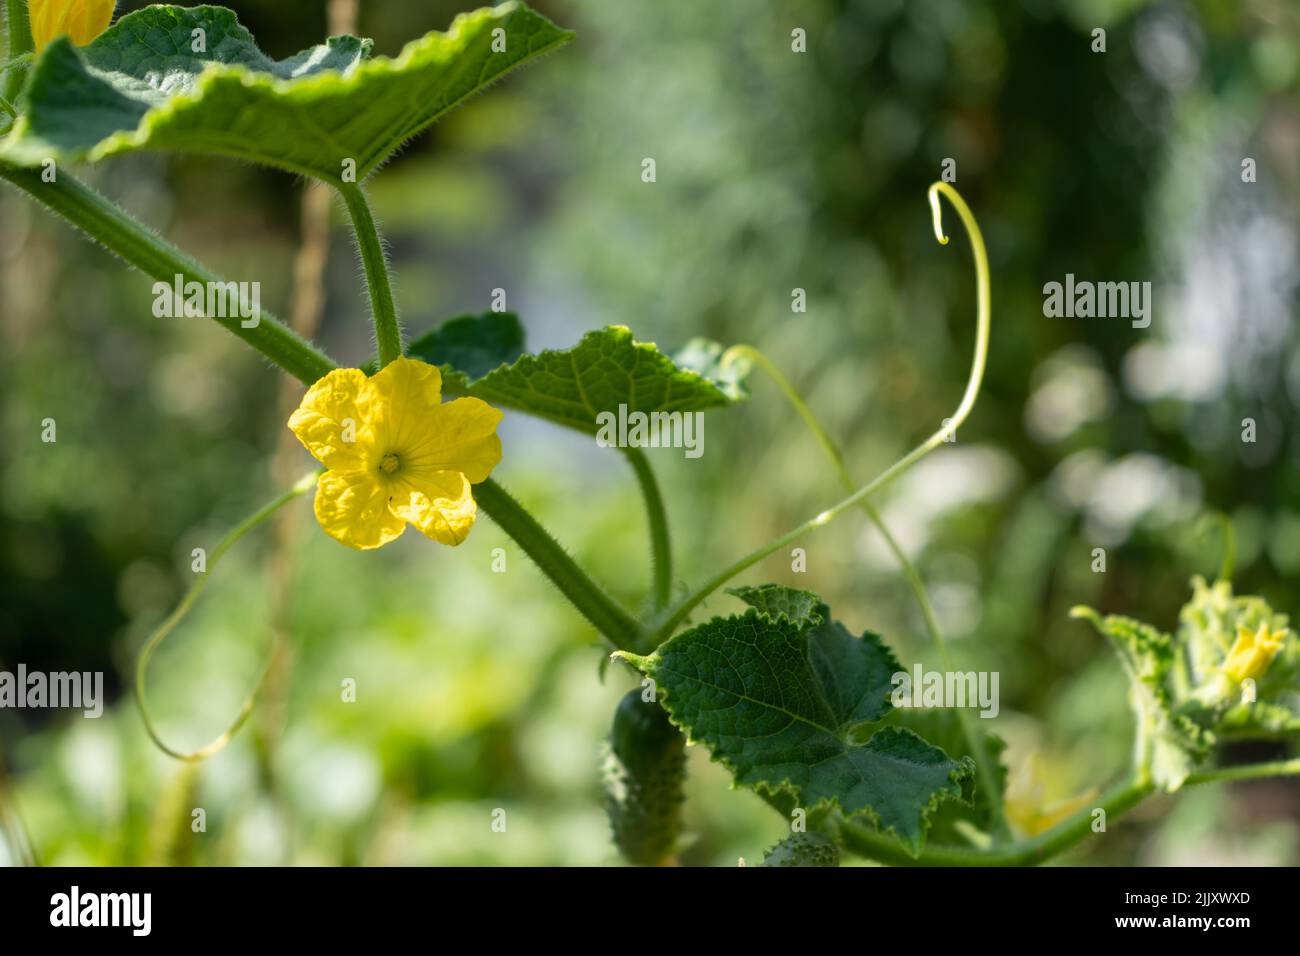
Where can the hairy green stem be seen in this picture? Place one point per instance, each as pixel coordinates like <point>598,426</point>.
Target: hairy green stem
<point>886,849</point>
<point>20,43</point>
<point>383,310</point>
<point>975,741</point>
<point>667,622</point>
<point>619,627</point>
<point>661,555</point>
<point>139,246</point>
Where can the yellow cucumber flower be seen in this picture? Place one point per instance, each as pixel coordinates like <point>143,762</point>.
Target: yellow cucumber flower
<point>1023,801</point>
<point>395,453</point>
<point>1252,652</point>
<point>80,20</point>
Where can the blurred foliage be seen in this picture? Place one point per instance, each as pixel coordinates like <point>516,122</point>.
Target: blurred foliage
<point>775,171</point>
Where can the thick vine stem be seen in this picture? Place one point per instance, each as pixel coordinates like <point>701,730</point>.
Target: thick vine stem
<point>20,43</point>
<point>885,849</point>
<point>105,222</point>
<point>975,741</point>
<point>661,555</point>
<point>1115,802</point>
<point>141,247</point>
<point>619,627</point>
<point>667,622</point>
<point>301,487</point>
<point>383,309</point>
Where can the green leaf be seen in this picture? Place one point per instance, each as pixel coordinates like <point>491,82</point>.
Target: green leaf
<point>466,348</point>
<point>608,368</point>
<point>798,607</point>
<point>942,727</point>
<point>856,674</point>
<point>472,345</point>
<point>782,703</point>
<point>141,85</point>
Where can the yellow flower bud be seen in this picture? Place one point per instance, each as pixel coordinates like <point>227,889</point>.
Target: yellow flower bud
<point>79,20</point>
<point>1252,652</point>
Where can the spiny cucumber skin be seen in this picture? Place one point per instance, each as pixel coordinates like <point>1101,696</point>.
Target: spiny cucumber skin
<point>803,849</point>
<point>645,769</point>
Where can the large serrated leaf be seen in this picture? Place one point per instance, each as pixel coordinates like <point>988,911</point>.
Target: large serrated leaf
<point>780,702</point>
<point>608,368</point>
<point>942,727</point>
<point>142,85</point>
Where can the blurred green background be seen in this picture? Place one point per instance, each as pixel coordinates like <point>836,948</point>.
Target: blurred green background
<point>775,170</point>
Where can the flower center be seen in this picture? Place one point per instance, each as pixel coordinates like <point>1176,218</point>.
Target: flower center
<point>389,464</point>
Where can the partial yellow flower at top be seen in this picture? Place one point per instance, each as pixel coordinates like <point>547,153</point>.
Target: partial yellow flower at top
<point>1252,652</point>
<point>395,453</point>
<point>80,20</point>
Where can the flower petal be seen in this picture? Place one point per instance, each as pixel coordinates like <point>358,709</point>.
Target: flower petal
<point>440,505</point>
<point>461,437</point>
<point>330,414</point>
<point>80,20</point>
<point>353,509</point>
<point>406,392</point>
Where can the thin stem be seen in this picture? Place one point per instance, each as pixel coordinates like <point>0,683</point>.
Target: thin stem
<point>619,627</point>
<point>668,622</point>
<point>383,310</point>
<point>307,483</point>
<point>661,554</point>
<point>1249,771</point>
<point>1229,557</point>
<point>139,246</point>
<point>975,740</point>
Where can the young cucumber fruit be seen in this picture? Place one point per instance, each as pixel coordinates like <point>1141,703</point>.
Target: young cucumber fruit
<point>645,768</point>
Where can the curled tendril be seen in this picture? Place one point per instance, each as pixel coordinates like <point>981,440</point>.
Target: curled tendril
<point>673,616</point>
<point>747,353</point>
<point>301,487</point>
